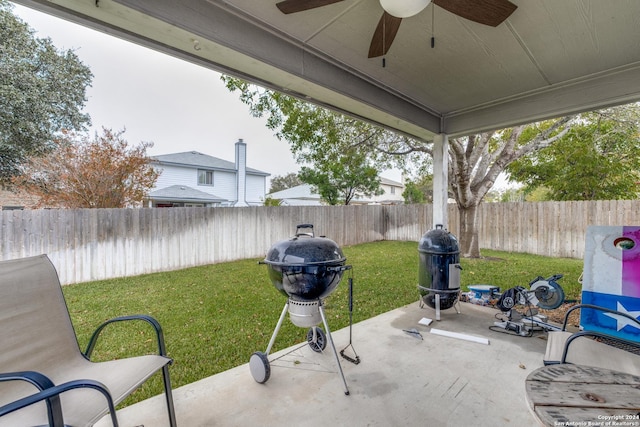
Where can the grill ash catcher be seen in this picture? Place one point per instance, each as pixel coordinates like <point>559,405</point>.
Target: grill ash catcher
<point>306,269</point>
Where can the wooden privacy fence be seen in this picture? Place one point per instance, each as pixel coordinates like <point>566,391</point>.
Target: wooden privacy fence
<point>550,228</point>
<point>93,244</point>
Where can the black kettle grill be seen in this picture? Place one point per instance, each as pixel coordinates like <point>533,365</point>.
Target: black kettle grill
<point>306,269</point>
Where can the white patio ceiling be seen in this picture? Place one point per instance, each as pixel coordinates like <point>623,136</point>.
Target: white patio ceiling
<point>549,58</point>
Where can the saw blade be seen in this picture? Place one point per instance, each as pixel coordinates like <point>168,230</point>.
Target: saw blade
<point>550,295</point>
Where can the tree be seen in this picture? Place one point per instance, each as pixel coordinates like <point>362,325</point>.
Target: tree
<point>412,194</point>
<point>475,161</point>
<point>312,131</point>
<point>599,159</point>
<point>279,183</point>
<point>103,172</point>
<point>340,177</point>
<point>272,202</point>
<point>42,93</point>
<point>321,138</point>
<point>505,195</point>
<point>419,190</point>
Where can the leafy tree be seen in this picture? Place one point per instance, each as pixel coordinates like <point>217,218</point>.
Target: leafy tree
<point>319,137</point>
<point>419,191</point>
<point>103,172</point>
<point>599,159</point>
<point>42,93</point>
<point>279,183</point>
<point>539,194</point>
<point>339,178</point>
<point>272,202</point>
<point>412,193</point>
<point>312,131</point>
<point>475,161</point>
<point>505,195</point>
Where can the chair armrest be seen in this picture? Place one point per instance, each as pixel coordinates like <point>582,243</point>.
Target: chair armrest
<point>594,334</point>
<point>40,381</point>
<point>597,307</point>
<point>51,393</point>
<point>586,351</point>
<point>162,351</point>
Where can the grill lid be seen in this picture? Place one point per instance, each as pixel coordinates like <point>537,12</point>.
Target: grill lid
<point>438,241</point>
<point>304,249</point>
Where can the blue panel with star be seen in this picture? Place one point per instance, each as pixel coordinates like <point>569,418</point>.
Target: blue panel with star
<point>608,323</point>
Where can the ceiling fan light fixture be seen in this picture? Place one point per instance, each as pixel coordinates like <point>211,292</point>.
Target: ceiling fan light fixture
<point>404,8</point>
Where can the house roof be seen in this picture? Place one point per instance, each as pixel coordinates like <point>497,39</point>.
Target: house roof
<point>304,195</point>
<point>305,191</point>
<point>302,192</point>
<point>195,159</point>
<point>390,182</point>
<point>184,193</point>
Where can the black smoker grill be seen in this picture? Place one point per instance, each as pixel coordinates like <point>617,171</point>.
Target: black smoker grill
<point>439,270</point>
<point>306,269</point>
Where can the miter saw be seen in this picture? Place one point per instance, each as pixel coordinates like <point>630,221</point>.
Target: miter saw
<point>543,293</point>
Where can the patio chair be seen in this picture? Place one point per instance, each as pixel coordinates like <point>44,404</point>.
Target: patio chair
<point>45,379</point>
<point>593,348</point>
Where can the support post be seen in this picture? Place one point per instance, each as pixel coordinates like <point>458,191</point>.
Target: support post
<point>440,179</point>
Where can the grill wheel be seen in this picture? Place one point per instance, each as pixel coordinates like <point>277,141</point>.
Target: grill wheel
<point>319,344</point>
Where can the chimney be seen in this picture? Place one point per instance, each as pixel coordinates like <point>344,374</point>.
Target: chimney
<point>241,173</point>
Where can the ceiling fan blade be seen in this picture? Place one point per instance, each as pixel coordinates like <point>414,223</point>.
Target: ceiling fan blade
<point>293,6</point>
<point>487,12</point>
<point>383,36</point>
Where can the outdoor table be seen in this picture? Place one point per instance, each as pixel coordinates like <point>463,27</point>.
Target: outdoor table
<point>577,395</point>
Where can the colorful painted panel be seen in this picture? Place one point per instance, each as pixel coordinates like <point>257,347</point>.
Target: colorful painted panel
<point>611,279</point>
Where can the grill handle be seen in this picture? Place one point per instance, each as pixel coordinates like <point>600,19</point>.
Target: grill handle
<point>303,226</point>
<point>339,268</point>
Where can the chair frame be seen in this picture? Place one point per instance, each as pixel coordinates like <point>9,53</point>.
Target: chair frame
<point>594,334</point>
<point>50,393</point>
<point>162,351</point>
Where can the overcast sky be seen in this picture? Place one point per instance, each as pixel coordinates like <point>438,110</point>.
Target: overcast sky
<point>175,104</point>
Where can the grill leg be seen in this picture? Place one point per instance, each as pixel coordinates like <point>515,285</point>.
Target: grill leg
<point>333,347</point>
<point>275,332</point>
<point>437,306</point>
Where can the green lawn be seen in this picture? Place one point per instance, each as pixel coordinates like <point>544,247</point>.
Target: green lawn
<point>214,317</point>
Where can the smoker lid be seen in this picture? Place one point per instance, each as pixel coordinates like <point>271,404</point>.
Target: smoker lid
<point>438,241</point>
<point>305,249</point>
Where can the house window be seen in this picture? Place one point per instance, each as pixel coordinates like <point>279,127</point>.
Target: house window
<point>393,190</point>
<point>205,177</point>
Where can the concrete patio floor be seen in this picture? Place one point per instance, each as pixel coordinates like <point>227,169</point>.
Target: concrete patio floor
<point>401,380</point>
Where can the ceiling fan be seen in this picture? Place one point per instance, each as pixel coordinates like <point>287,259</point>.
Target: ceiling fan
<point>487,12</point>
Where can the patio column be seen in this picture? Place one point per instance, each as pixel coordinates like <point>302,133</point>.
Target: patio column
<point>440,179</point>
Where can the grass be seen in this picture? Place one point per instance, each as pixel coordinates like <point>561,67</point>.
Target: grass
<point>214,317</point>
